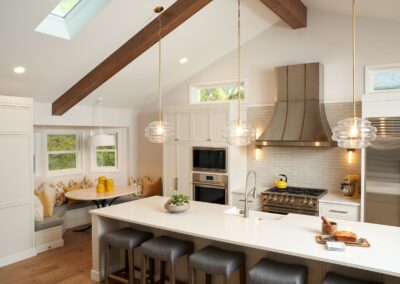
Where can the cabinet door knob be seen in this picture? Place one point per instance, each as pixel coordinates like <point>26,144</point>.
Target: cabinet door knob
<point>208,139</point>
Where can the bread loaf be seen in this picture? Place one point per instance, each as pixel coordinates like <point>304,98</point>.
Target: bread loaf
<point>345,236</point>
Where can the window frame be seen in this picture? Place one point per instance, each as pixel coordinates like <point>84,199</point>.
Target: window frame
<point>369,78</point>
<point>93,153</point>
<point>194,91</point>
<point>37,153</point>
<point>69,11</point>
<point>79,152</point>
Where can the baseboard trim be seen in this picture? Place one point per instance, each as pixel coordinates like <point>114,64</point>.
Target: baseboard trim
<point>95,275</point>
<point>48,246</point>
<point>12,258</point>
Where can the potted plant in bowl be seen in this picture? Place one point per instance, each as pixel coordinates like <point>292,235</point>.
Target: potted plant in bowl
<point>177,203</point>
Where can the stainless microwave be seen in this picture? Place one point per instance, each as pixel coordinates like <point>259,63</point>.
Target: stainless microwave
<point>207,159</point>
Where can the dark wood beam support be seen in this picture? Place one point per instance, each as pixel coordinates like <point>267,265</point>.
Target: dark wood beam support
<point>293,12</point>
<point>174,16</point>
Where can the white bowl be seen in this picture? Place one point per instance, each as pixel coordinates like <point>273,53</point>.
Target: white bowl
<point>171,208</point>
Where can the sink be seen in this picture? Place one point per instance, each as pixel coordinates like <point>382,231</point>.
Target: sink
<point>254,214</point>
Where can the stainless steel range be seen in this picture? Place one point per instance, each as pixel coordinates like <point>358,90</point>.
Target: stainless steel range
<point>292,200</point>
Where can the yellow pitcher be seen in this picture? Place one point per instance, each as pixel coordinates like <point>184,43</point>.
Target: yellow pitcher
<point>109,185</point>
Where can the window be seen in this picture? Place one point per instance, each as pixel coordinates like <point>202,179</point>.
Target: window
<point>224,92</point>
<point>64,7</point>
<point>382,78</point>
<point>105,158</point>
<point>63,152</point>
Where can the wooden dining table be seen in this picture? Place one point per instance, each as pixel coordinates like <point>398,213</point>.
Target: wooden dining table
<point>100,199</point>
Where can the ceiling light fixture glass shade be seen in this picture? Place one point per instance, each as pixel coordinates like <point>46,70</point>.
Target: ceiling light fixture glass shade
<point>354,133</point>
<point>159,131</point>
<point>238,132</point>
<point>101,139</point>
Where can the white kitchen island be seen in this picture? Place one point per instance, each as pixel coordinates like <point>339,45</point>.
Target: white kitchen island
<point>287,238</point>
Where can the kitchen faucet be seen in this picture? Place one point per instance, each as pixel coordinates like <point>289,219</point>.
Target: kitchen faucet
<point>253,191</point>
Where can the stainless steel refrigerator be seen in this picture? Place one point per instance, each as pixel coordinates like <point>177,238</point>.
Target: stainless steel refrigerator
<point>382,179</point>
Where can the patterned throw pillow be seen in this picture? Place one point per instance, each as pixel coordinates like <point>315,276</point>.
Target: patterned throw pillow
<point>60,193</point>
<point>137,184</point>
<point>87,182</point>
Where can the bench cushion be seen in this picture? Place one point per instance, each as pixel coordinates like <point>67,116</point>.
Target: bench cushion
<point>53,221</point>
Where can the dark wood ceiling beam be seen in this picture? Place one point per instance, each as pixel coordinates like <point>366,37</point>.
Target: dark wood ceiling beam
<point>171,18</point>
<point>293,12</point>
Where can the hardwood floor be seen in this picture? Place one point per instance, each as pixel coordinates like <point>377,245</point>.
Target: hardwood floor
<point>69,264</point>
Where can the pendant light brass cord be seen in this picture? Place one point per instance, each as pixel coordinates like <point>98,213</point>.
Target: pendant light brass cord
<point>159,70</point>
<point>238,66</point>
<point>354,59</point>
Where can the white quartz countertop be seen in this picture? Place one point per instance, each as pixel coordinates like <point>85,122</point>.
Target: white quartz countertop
<point>293,234</point>
<point>337,198</point>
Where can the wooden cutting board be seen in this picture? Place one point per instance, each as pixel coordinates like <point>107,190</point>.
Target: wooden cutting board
<point>361,242</point>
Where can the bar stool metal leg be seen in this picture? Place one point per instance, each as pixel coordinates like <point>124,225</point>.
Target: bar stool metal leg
<point>131,264</point>
<point>143,270</point>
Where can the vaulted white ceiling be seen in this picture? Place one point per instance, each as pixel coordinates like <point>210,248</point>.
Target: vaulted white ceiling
<point>54,65</point>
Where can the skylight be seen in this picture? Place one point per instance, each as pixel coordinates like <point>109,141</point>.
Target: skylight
<point>69,17</point>
<point>64,7</point>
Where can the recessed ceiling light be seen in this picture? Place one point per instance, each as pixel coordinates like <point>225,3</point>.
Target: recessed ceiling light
<point>183,60</point>
<point>19,69</point>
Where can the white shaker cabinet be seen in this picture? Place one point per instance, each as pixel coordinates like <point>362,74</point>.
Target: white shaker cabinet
<point>208,125</point>
<point>181,122</point>
<point>16,170</point>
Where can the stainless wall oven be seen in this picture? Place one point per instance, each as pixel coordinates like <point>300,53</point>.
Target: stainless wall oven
<point>209,159</point>
<point>210,188</point>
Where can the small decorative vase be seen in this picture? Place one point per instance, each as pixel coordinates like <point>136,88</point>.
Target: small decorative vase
<point>172,208</point>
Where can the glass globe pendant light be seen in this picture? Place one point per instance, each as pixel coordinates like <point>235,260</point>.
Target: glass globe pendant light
<point>101,139</point>
<point>354,132</point>
<point>159,131</point>
<point>238,132</point>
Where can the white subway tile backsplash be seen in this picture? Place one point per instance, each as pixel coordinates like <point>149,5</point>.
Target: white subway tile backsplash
<point>304,166</point>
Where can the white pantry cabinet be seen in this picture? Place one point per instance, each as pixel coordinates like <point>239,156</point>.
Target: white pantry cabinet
<point>177,168</point>
<point>16,170</point>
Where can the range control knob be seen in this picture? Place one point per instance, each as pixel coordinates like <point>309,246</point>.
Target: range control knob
<point>287,199</point>
<point>311,203</point>
<point>305,201</point>
<point>269,197</point>
<point>281,200</point>
<point>292,200</point>
<point>274,199</point>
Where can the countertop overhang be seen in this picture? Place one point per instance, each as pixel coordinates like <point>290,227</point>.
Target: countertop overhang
<point>293,234</point>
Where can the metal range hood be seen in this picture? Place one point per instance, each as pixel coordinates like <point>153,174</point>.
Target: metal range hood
<point>299,118</point>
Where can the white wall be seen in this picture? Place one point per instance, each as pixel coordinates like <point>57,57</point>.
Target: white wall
<point>327,39</point>
<point>86,118</point>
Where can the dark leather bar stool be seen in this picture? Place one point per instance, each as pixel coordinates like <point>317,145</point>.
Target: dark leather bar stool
<point>334,278</point>
<point>267,271</point>
<point>217,262</point>
<point>126,239</point>
<point>166,250</point>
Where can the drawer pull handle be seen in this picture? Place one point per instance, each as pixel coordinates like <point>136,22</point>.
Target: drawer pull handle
<point>338,211</point>
<point>249,201</point>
